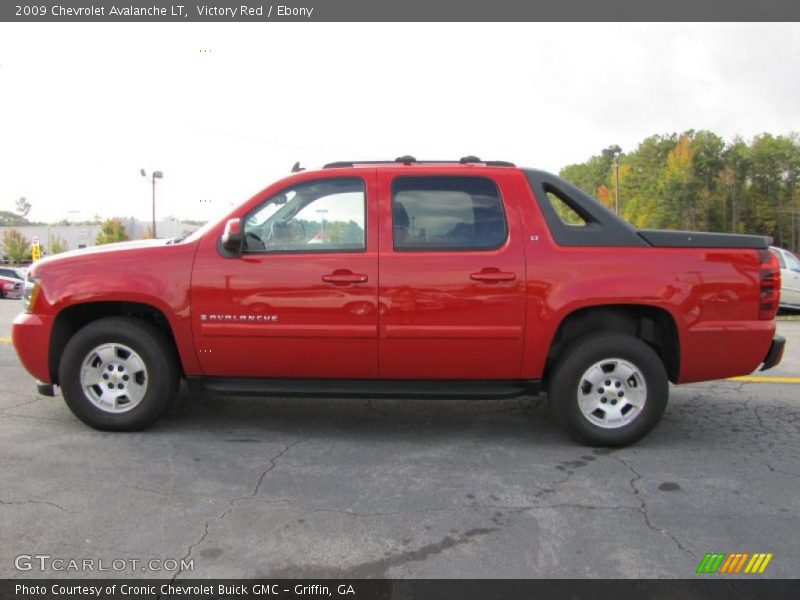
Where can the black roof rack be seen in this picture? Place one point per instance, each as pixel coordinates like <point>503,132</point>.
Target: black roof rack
<point>408,160</point>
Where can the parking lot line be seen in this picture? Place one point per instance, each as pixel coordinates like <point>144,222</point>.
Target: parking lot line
<point>5,340</point>
<point>758,379</point>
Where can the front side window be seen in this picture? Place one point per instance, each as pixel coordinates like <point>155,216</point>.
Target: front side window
<point>447,213</point>
<point>316,216</point>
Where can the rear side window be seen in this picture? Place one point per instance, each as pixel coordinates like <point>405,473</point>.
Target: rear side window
<point>567,214</point>
<point>447,213</point>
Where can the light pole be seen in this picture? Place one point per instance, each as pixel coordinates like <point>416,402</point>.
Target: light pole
<point>616,180</point>
<point>793,209</point>
<point>322,212</point>
<point>155,175</point>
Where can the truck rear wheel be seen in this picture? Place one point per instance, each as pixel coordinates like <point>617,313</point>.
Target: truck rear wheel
<point>608,389</point>
<point>118,374</point>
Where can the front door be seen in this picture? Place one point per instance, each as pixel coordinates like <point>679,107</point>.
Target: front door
<point>301,300</point>
<point>452,289</point>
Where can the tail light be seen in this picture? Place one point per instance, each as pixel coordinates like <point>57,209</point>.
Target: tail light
<point>769,283</point>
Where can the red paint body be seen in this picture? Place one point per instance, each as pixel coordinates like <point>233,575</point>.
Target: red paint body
<point>418,315</point>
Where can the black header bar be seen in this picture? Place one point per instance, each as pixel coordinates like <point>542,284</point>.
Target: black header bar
<point>184,11</point>
<point>700,588</point>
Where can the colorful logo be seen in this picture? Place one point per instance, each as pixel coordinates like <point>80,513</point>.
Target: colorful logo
<point>734,564</point>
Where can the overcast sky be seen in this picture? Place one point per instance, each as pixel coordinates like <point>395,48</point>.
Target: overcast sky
<point>84,106</point>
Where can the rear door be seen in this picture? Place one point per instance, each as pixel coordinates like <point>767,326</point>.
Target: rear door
<point>452,275</point>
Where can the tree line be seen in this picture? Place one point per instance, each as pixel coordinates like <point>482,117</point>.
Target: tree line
<point>691,181</point>
<point>697,181</point>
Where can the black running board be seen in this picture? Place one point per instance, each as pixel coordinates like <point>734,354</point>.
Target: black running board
<point>396,388</point>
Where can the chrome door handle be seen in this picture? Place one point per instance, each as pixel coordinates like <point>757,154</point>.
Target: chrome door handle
<point>345,277</point>
<point>492,276</point>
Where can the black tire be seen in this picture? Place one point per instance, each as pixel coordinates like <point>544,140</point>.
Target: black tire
<point>566,383</point>
<point>154,350</point>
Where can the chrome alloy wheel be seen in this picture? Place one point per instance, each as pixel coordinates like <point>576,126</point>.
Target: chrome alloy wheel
<point>612,393</point>
<point>114,378</point>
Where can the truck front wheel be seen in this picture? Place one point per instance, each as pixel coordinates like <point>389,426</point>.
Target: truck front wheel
<point>608,389</point>
<point>118,374</point>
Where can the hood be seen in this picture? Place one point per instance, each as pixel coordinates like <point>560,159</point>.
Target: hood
<point>94,251</point>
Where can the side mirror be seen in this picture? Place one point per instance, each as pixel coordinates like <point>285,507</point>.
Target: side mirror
<point>232,238</point>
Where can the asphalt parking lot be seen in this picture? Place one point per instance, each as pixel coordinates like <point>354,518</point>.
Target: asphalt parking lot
<point>359,488</point>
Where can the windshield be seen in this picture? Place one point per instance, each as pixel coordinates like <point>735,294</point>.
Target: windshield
<point>198,233</point>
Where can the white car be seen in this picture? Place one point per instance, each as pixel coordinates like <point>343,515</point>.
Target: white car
<point>14,272</point>
<point>790,278</point>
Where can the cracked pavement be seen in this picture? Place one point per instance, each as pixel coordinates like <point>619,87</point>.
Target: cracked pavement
<point>280,487</point>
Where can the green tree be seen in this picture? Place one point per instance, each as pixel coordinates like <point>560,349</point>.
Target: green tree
<point>767,206</point>
<point>112,231</point>
<point>790,201</point>
<point>10,219</point>
<point>707,165</point>
<point>641,184</point>
<point>735,176</point>
<point>57,245</point>
<point>23,207</point>
<point>343,232</point>
<point>17,247</point>
<point>594,173</point>
<point>694,180</point>
<point>678,188</point>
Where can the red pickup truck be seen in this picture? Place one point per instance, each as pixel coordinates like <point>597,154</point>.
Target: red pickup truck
<point>406,278</point>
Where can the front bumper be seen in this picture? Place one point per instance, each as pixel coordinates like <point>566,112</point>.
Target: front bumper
<point>31,337</point>
<point>775,353</point>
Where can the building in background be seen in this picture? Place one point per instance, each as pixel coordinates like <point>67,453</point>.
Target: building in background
<point>76,236</point>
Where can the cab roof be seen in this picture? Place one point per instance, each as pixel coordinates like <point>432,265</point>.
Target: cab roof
<point>410,160</point>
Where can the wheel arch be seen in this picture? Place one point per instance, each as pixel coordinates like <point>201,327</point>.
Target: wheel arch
<point>72,318</point>
<point>654,325</point>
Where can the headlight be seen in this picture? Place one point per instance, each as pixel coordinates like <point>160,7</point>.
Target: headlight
<point>30,293</point>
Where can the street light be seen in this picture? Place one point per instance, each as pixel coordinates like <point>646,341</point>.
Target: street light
<point>155,175</point>
<point>616,180</point>
<point>322,212</point>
